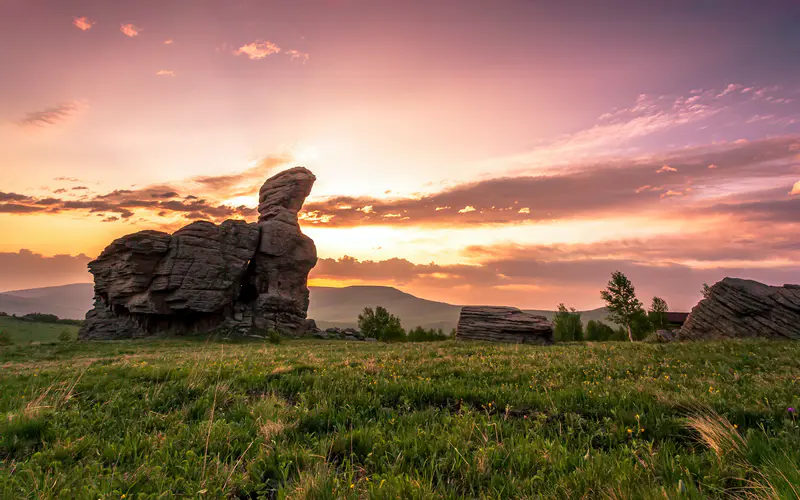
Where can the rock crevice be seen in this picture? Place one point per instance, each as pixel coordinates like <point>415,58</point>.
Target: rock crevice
<point>237,275</point>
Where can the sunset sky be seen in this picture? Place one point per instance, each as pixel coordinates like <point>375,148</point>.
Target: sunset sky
<point>509,152</point>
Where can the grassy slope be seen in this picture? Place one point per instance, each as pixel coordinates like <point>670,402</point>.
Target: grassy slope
<point>358,420</point>
<point>27,331</point>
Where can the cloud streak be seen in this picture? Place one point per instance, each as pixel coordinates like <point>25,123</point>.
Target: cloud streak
<point>52,115</point>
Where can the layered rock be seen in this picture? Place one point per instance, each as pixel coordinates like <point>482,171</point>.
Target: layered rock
<point>737,308</point>
<point>503,324</point>
<point>240,276</point>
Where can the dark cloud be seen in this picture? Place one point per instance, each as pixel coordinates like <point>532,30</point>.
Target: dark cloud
<point>786,210</point>
<point>13,197</point>
<point>593,190</point>
<point>540,276</point>
<point>52,115</point>
<point>26,269</point>
<point>170,194</point>
<point>80,188</point>
<point>14,208</point>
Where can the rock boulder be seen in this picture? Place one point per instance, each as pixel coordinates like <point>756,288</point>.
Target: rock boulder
<point>237,276</point>
<point>503,324</point>
<point>738,308</point>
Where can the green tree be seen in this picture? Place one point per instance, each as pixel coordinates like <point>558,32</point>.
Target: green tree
<point>621,302</point>
<point>597,331</point>
<point>658,313</point>
<point>567,324</point>
<point>381,324</point>
<point>706,291</point>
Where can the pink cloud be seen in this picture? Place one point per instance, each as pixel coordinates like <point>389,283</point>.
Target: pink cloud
<point>666,168</point>
<point>795,189</point>
<point>165,72</point>
<point>83,23</point>
<point>258,49</point>
<point>129,30</point>
<point>712,166</point>
<point>169,41</point>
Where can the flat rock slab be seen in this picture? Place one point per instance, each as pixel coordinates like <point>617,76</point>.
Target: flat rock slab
<point>738,308</point>
<point>503,324</point>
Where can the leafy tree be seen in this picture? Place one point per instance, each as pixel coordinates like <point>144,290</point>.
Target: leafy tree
<point>597,331</point>
<point>641,326</point>
<point>621,302</point>
<point>567,324</point>
<point>706,291</point>
<point>658,313</point>
<point>380,324</point>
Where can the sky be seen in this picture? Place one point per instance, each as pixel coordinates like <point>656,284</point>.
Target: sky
<point>513,152</point>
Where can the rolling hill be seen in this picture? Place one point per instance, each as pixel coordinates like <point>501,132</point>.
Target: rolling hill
<point>329,306</point>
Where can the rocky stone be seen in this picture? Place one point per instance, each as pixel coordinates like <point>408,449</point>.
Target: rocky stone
<point>662,336</point>
<point>350,337</point>
<point>503,324</point>
<point>738,308</point>
<point>237,276</point>
<point>370,339</point>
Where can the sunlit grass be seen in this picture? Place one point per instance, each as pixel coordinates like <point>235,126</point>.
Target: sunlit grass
<point>447,420</point>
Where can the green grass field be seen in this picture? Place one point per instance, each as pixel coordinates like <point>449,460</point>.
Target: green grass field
<point>303,419</point>
<point>21,332</point>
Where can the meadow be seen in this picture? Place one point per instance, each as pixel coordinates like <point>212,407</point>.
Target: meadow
<point>337,419</point>
<point>21,331</point>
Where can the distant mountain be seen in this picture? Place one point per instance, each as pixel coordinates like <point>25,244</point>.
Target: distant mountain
<point>329,306</point>
<point>341,307</point>
<point>66,301</point>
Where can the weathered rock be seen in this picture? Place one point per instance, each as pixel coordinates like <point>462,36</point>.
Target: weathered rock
<point>350,337</point>
<point>370,339</point>
<point>662,336</point>
<point>503,324</point>
<point>738,308</point>
<point>237,276</point>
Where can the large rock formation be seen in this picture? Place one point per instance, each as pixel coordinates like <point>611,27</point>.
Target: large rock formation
<point>238,276</point>
<point>503,324</point>
<point>738,308</point>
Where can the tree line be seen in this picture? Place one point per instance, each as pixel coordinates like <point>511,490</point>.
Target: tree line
<point>624,309</point>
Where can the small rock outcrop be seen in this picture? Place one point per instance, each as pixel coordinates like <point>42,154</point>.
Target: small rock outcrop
<point>503,324</point>
<point>738,308</point>
<point>239,276</point>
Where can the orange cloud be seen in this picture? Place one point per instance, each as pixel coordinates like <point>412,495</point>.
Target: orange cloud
<point>83,23</point>
<point>129,30</point>
<point>258,49</point>
<point>296,54</point>
<point>712,166</point>
<point>666,168</point>
<point>165,72</point>
<point>467,209</point>
<point>169,41</point>
<point>795,189</point>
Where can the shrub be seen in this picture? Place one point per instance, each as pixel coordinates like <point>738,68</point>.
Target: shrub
<point>274,336</point>
<point>597,331</point>
<point>420,334</point>
<point>381,324</point>
<point>5,338</point>
<point>65,336</point>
